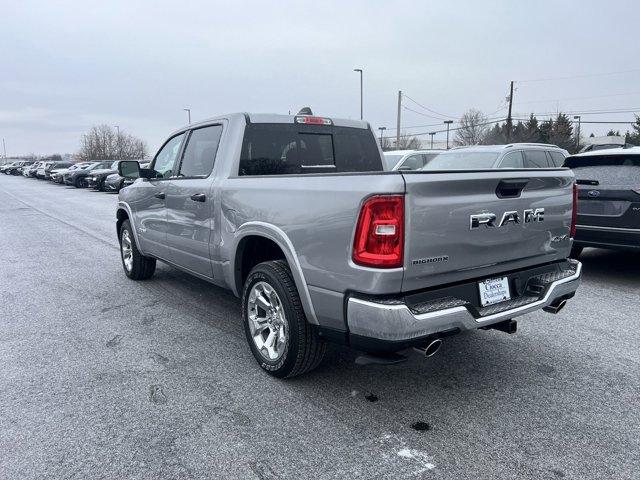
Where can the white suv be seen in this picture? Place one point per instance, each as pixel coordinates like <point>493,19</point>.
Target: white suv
<point>513,155</point>
<point>409,159</point>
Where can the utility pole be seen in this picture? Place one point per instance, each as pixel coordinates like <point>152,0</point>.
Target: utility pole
<point>432,134</point>
<point>4,147</point>
<point>447,123</point>
<point>509,121</point>
<point>188,110</point>
<point>398,125</point>
<point>361,101</point>
<point>577,117</point>
<point>382,129</point>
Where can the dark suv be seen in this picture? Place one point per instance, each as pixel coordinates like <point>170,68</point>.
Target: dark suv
<point>608,199</point>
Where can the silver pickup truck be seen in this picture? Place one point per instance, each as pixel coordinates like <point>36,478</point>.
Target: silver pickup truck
<point>297,216</point>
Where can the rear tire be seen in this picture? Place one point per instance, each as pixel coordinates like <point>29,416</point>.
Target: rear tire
<point>301,350</point>
<point>136,266</point>
<point>576,251</point>
<point>78,182</point>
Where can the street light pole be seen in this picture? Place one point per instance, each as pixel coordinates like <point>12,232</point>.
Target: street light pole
<point>118,139</point>
<point>448,123</point>
<point>382,129</point>
<point>188,110</point>
<point>4,147</point>
<point>432,134</point>
<point>361,100</point>
<point>577,117</point>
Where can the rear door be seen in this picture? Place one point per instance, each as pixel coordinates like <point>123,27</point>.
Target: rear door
<point>608,191</point>
<point>470,224</point>
<point>190,197</point>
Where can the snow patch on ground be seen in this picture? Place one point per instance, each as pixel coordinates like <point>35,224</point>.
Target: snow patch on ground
<point>418,456</point>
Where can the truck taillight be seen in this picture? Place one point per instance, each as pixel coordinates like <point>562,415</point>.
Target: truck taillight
<point>574,211</point>
<point>379,239</point>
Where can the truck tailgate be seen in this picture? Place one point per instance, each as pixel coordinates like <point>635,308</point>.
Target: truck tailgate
<point>444,244</point>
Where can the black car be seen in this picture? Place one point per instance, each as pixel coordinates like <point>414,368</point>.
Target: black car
<point>114,182</point>
<point>97,177</point>
<point>608,187</point>
<point>78,177</point>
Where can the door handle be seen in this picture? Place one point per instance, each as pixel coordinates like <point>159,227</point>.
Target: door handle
<point>198,197</point>
<point>160,195</point>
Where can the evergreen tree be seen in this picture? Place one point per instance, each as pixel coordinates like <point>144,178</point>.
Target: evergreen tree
<point>545,131</point>
<point>532,130</point>
<point>634,137</point>
<point>562,133</point>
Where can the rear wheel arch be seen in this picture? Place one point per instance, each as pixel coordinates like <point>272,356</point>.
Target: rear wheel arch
<point>270,244</point>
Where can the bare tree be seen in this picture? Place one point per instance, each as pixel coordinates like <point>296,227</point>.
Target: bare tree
<point>385,144</point>
<point>408,142</point>
<point>473,128</point>
<point>102,142</point>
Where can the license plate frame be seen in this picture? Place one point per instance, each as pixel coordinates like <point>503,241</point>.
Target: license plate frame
<point>494,290</point>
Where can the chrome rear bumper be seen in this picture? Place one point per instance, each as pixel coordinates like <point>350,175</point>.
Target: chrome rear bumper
<point>396,322</point>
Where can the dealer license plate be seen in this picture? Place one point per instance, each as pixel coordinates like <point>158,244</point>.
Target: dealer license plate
<point>494,290</point>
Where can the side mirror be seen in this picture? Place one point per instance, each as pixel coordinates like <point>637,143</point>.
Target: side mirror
<point>129,169</point>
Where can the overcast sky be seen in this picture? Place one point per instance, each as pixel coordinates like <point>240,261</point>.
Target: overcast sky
<point>69,65</point>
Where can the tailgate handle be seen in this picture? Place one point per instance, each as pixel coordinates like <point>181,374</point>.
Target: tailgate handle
<point>511,187</point>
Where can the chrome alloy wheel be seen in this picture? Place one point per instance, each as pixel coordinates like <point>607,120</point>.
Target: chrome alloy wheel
<point>267,321</point>
<point>127,251</point>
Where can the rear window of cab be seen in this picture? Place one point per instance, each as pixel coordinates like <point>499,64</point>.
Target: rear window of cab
<point>298,149</point>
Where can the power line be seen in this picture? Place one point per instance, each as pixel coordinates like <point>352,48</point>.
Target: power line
<point>451,129</point>
<point>428,109</point>
<point>579,98</point>
<point>588,112</point>
<point>420,113</point>
<point>571,77</point>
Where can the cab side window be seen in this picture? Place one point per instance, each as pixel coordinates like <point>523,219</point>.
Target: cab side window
<point>536,159</point>
<point>200,152</point>
<point>512,160</point>
<point>167,157</point>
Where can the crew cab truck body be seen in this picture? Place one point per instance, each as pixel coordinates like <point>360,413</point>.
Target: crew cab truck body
<point>296,215</point>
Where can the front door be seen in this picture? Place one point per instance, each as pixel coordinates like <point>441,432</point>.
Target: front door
<point>190,202</point>
<point>149,204</point>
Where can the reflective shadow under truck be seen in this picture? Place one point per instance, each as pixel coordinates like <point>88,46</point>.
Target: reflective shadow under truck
<point>296,215</point>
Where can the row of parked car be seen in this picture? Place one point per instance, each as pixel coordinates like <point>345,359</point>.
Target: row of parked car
<point>100,175</point>
<point>514,155</point>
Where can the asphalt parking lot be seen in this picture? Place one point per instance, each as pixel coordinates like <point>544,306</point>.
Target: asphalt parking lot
<point>103,377</point>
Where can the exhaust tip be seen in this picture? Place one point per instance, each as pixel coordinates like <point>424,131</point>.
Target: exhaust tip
<point>430,349</point>
<point>555,308</point>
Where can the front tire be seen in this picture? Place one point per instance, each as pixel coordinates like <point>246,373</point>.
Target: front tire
<point>281,339</point>
<point>136,266</point>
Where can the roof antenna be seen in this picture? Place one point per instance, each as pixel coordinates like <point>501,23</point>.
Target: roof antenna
<point>305,111</point>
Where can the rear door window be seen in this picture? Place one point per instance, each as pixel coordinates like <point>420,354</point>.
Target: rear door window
<point>414,162</point>
<point>200,152</point>
<point>536,159</point>
<point>512,160</point>
<point>557,158</point>
<point>284,149</point>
